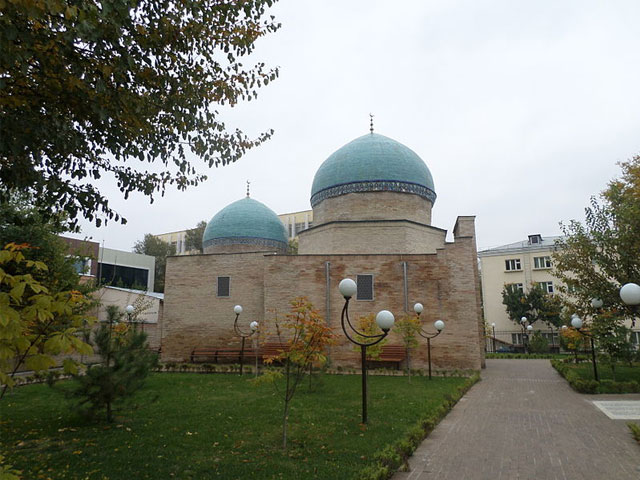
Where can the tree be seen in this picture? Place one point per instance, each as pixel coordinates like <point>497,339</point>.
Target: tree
<point>21,223</point>
<point>88,88</point>
<point>595,258</point>
<point>193,237</point>
<point>35,324</point>
<point>159,249</point>
<point>408,327</point>
<point>126,363</point>
<point>536,305</point>
<point>306,336</point>
<point>368,326</point>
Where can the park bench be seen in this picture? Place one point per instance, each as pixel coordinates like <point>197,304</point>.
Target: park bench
<point>391,354</point>
<point>215,354</point>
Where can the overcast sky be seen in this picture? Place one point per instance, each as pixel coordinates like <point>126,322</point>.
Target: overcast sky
<point>520,109</point>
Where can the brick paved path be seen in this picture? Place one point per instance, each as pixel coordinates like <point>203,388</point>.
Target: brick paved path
<point>523,421</point>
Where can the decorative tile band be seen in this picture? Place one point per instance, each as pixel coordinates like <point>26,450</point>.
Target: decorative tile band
<point>374,186</point>
<point>262,242</point>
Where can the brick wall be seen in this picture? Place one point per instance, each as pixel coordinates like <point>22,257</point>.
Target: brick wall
<point>373,206</point>
<point>444,282</point>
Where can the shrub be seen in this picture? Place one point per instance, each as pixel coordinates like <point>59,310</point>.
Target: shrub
<point>538,343</point>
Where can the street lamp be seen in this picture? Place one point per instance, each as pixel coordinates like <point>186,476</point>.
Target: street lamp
<point>253,327</point>
<point>630,295</point>
<point>493,328</point>
<point>525,332</point>
<point>129,309</point>
<point>576,322</point>
<point>384,319</point>
<point>438,325</point>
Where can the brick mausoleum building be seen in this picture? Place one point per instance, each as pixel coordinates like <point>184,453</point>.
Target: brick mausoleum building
<point>372,203</point>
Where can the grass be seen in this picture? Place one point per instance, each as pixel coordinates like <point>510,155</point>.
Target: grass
<point>635,430</point>
<point>217,426</point>
<point>580,377</point>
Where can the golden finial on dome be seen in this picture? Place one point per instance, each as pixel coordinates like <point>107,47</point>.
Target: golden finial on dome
<point>248,183</point>
<point>371,123</point>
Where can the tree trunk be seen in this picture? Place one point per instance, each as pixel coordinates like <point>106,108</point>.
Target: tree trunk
<point>284,424</point>
<point>408,364</point>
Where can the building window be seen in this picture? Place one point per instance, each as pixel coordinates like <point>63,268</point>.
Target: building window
<point>512,265</point>
<point>515,286</point>
<point>546,286</point>
<point>121,276</point>
<point>82,266</point>
<point>516,338</point>
<point>224,286</point>
<point>365,287</point>
<point>635,338</point>
<point>541,262</point>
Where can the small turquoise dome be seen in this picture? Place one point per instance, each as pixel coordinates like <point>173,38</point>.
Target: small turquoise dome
<point>372,163</point>
<point>246,221</point>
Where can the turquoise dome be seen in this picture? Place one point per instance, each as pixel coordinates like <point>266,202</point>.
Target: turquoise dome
<point>372,163</point>
<point>245,221</point>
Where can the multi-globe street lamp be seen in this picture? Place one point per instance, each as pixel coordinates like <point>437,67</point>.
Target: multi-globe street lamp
<point>576,322</point>
<point>253,327</point>
<point>526,329</point>
<point>438,325</point>
<point>384,320</point>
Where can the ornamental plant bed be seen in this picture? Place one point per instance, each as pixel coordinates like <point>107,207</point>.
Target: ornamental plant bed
<point>528,356</point>
<point>580,377</point>
<point>193,426</point>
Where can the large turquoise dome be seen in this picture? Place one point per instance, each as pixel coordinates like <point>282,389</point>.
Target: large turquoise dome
<point>372,163</point>
<point>246,221</point>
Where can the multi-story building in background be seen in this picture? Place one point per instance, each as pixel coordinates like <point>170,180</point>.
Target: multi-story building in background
<point>519,265</point>
<point>177,239</point>
<point>112,267</point>
<point>296,222</point>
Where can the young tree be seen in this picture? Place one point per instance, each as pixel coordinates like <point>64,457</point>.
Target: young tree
<point>193,237</point>
<point>367,325</point>
<point>91,89</point>
<point>408,326</point>
<point>306,336</point>
<point>159,249</point>
<point>596,258</point>
<point>35,324</point>
<point>126,363</point>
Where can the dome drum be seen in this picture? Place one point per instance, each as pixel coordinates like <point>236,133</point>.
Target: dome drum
<point>374,186</point>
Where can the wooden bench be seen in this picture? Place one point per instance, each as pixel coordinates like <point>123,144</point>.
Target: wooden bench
<point>215,354</point>
<point>391,354</point>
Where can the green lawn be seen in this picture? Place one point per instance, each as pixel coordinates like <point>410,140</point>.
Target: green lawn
<point>624,373</point>
<point>216,426</point>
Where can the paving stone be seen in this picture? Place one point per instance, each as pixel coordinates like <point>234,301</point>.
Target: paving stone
<point>523,421</point>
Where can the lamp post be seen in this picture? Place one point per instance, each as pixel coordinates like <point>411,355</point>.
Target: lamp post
<point>525,332</point>
<point>384,319</point>
<point>630,295</point>
<point>438,325</point>
<point>576,322</point>
<point>129,309</point>
<point>493,329</point>
<point>253,327</point>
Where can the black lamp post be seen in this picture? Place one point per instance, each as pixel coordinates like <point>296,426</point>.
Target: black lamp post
<point>438,325</point>
<point>493,331</point>
<point>253,326</point>
<point>525,332</point>
<point>576,322</point>
<point>384,319</point>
